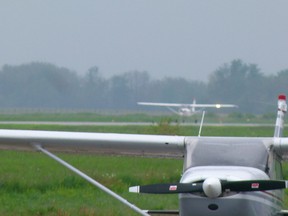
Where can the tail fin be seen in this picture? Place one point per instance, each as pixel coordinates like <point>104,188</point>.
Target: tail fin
<point>282,108</point>
<point>193,107</point>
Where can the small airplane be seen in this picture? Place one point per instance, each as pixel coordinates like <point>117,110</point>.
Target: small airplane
<point>221,175</point>
<point>187,109</point>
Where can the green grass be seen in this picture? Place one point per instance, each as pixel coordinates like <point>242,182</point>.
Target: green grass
<point>210,117</point>
<point>250,131</point>
<point>82,117</point>
<point>33,184</point>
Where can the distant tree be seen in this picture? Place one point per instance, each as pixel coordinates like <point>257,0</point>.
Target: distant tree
<point>118,92</point>
<point>37,85</point>
<point>279,83</point>
<point>138,84</point>
<point>95,90</point>
<point>238,83</point>
<point>128,88</point>
<point>177,90</point>
<point>226,81</point>
<point>45,85</point>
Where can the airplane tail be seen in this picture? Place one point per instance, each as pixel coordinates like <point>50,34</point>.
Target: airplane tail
<point>282,108</point>
<point>193,107</point>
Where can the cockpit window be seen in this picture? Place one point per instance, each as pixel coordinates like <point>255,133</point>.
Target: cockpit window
<point>250,153</point>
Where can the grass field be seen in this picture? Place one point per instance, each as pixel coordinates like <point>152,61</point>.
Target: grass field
<point>138,117</point>
<point>32,184</point>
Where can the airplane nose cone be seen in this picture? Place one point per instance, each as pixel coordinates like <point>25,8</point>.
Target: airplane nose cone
<point>212,187</point>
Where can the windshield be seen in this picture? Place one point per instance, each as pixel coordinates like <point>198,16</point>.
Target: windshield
<point>225,152</point>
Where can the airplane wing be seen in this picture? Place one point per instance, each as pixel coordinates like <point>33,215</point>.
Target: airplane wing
<point>213,105</point>
<point>111,142</point>
<point>188,105</point>
<point>162,104</point>
<point>83,141</point>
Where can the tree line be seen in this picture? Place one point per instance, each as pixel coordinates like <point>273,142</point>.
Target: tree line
<point>44,85</point>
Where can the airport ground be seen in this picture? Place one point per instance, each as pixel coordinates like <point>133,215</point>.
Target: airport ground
<point>32,184</point>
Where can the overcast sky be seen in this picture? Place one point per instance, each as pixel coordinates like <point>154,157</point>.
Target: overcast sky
<point>185,38</point>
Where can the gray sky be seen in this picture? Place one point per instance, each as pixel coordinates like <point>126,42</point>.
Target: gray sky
<point>186,38</point>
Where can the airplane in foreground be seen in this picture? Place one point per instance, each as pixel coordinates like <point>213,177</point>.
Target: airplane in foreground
<point>187,109</point>
<point>222,176</point>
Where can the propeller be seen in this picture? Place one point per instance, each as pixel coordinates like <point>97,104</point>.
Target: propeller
<point>168,188</point>
<point>212,187</point>
<point>252,185</point>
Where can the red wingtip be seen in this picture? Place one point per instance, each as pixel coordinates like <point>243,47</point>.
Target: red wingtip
<point>282,97</point>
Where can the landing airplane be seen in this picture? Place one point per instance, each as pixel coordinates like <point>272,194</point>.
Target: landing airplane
<point>187,109</point>
<point>237,176</point>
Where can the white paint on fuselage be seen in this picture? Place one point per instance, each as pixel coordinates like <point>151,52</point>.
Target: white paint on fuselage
<point>244,203</point>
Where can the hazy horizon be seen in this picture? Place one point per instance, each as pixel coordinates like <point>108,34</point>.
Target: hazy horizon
<point>184,38</point>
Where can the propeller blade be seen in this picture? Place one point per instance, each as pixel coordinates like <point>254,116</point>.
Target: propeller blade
<point>254,185</point>
<point>237,186</point>
<point>168,188</point>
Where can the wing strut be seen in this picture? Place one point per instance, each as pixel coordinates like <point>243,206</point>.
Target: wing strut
<point>201,124</point>
<point>92,181</point>
<point>174,111</point>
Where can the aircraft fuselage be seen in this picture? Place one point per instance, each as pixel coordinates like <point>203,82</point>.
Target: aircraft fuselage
<point>229,161</point>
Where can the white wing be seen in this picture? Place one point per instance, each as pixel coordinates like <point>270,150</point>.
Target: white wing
<point>81,141</point>
<point>214,105</point>
<point>120,143</point>
<point>188,105</point>
<point>161,104</point>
